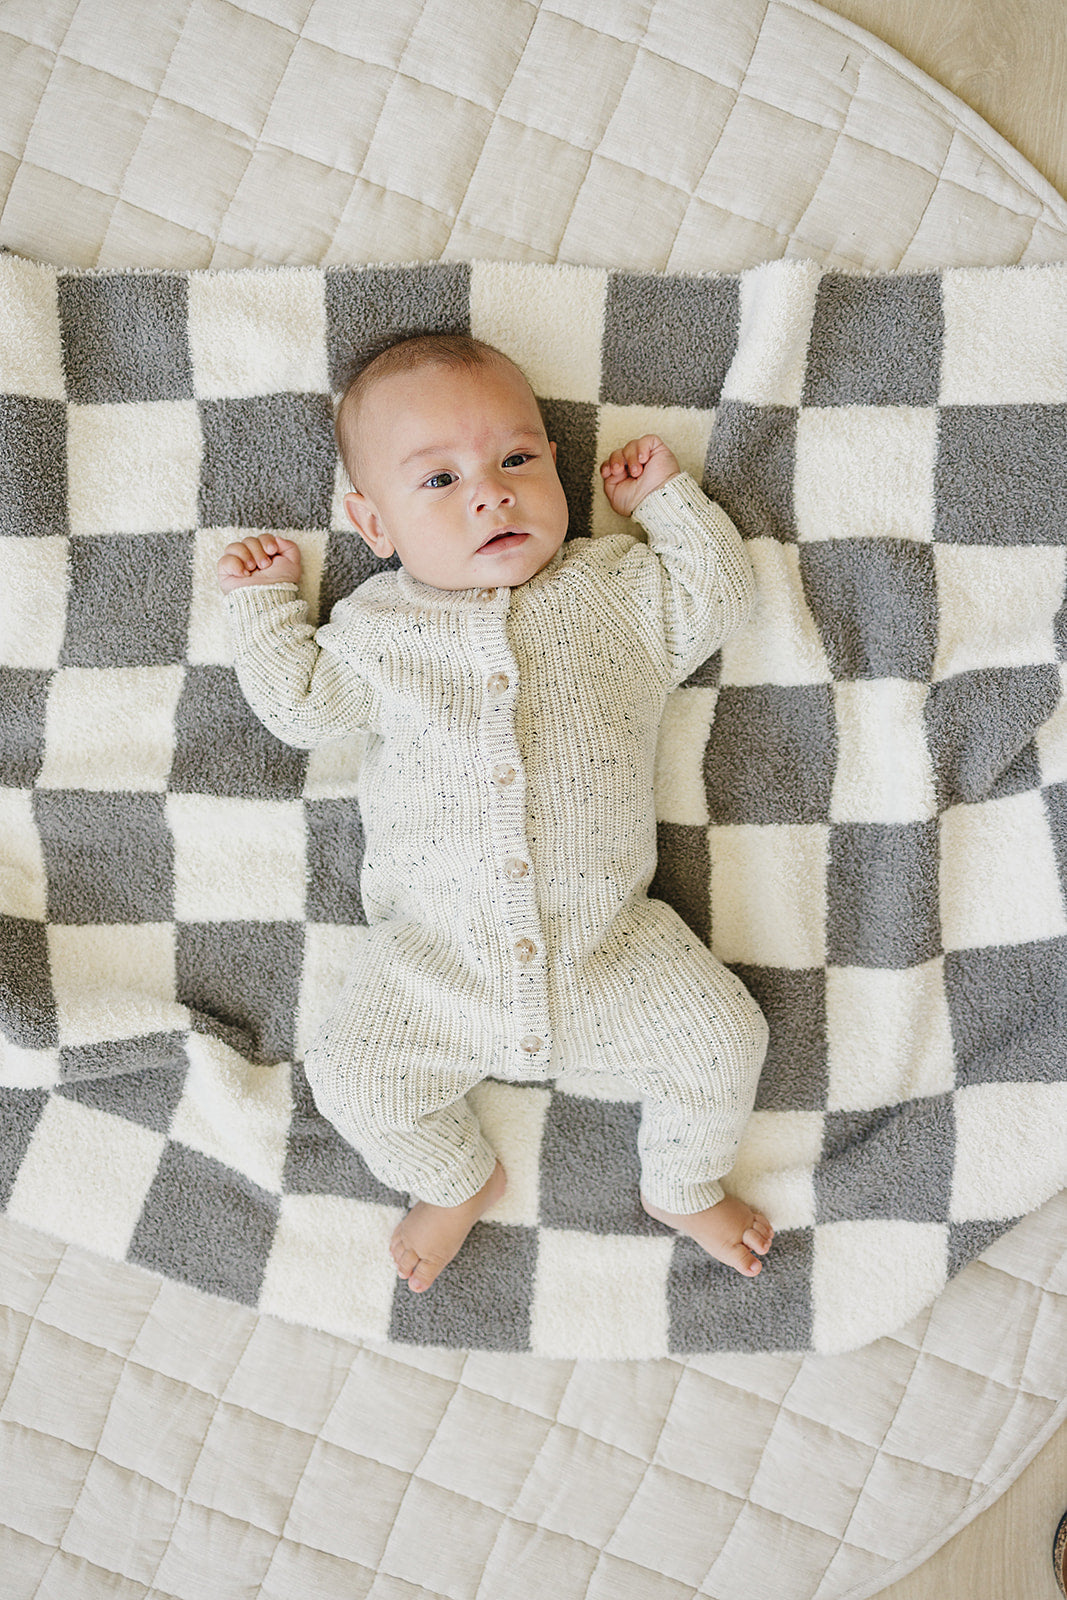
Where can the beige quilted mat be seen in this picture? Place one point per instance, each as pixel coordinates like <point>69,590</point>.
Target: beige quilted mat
<point>159,1445</point>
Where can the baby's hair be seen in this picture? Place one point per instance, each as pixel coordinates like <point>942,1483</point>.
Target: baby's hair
<point>404,355</point>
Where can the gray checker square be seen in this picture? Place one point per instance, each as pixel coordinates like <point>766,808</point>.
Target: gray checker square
<point>1008,1006</point>
<point>24,699</point>
<point>967,1240</point>
<point>980,727</point>
<point>486,1303</point>
<point>33,467</point>
<point>895,1162</point>
<point>750,466</point>
<point>108,855</point>
<point>20,1112</point>
<point>334,862</point>
<point>667,341</point>
<point>371,308</point>
<point>222,748</point>
<point>125,337</point>
<point>683,871</point>
<point>590,1171</point>
<point>875,605</point>
<point>27,1001</point>
<point>794,1076</point>
<point>268,462</point>
<point>1055,799</point>
<point>572,424</point>
<point>882,894</point>
<point>786,736</point>
<point>241,981</point>
<point>206,1225</point>
<point>139,1079</point>
<point>349,562</point>
<point>1001,475</point>
<point>128,601</point>
<point>319,1161</point>
<point>875,341</point>
<point>712,1307</point>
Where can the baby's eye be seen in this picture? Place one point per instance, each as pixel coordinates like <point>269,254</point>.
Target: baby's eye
<point>440,480</point>
<point>519,458</point>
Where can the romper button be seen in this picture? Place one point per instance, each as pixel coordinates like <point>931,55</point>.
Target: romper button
<point>503,775</point>
<point>497,683</point>
<point>486,594</point>
<point>525,950</point>
<point>515,869</point>
<point>531,1043</point>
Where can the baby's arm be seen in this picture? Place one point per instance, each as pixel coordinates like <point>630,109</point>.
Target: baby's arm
<point>701,588</point>
<point>258,560</point>
<point>634,471</point>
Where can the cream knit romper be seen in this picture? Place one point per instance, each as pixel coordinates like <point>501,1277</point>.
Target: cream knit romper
<point>507,807</point>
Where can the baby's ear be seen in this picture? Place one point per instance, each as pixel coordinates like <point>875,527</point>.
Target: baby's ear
<point>363,516</point>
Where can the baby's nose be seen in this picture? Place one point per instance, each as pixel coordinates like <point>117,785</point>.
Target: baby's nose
<point>493,492</point>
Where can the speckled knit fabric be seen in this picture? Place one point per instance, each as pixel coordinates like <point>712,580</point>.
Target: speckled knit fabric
<point>507,804</point>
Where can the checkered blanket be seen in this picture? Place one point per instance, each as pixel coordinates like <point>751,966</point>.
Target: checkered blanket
<point>862,800</point>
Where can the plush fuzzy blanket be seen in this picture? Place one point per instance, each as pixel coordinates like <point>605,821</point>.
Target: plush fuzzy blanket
<point>862,801</point>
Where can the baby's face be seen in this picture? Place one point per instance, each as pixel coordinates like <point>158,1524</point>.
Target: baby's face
<point>458,476</point>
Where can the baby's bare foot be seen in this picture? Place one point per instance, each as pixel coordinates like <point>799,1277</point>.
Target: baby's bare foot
<point>729,1231</point>
<point>426,1240</point>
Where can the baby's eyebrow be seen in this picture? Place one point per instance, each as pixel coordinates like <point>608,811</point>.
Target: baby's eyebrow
<point>517,436</point>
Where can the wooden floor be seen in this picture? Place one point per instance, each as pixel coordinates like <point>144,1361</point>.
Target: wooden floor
<point>1008,60</point>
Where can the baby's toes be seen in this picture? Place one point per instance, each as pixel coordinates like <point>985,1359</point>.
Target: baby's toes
<point>759,1235</point>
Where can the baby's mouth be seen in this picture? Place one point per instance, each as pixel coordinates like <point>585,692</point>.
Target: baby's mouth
<point>506,539</point>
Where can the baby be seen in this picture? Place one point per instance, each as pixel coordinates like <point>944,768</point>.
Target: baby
<point>513,686</point>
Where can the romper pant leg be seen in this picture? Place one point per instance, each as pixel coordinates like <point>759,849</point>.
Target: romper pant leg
<point>696,1101</point>
<point>392,1077</point>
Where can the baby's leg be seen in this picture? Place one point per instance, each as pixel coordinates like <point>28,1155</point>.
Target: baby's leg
<point>730,1231</point>
<point>427,1239</point>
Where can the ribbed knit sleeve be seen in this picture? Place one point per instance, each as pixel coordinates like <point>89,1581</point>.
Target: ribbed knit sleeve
<point>706,586</point>
<point>303,693</point>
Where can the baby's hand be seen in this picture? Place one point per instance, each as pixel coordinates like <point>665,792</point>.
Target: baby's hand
<point>634,471</point>
<point>264,560</point>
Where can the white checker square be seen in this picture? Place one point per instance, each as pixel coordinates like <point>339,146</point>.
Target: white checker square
<point>871,1275</point>
<point>548,319</point>
<point>254,333</point>
<point>687,429</point>
<point>33,601</point>
<point>1005,336</point>
<point>883,773</point>
<point>603,1297</point>
<point>1051,739</point>
<point>1010,1144</point>
<point>865,472</point>
<point>133,468</point>
<point>889,1035</point>
<point>775,1165</point>
<point>23,879</point>
<point>31,365</point>
<point>780,642</point>
<point>111,728</point>
<point>208,640</point>
<point>237,860</point>
<point>85,1176</point>
<point>329,956</point>
<point>512,1118</point>
<point>999,882</point>
<point>777,305</point>
<point>333,768</point>
<point>114,981</point>
<point>679,775</point>
<point>996,606</point>
<point>28,1069</point>
<point>234,1112</point>
<point>768,894</point>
